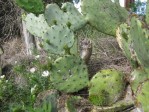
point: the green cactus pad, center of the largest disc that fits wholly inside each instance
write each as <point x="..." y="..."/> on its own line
<point x="120" y="106"/>
<point x="140" y="39"/>
<point x="57" y="39"/>
<point x="143" y="95"/>
<point x="138" y="76"/>
<point x="69" y="74"/>
<point x="68" y="15"/>
<point x="147" y="13"/>
<point x="106" y="87"/>
<point x="104" y="15"/>
<point x="36" y="25"/>
<point x="34" y="6"/>
<point x="47" y="101"/>
<point x="124" y="41"/>
<point x="71" y="103"/>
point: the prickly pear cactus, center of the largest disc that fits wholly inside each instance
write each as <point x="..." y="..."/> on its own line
<point x="67" y="15"/>
<point x="140" y="39"/>
<point x="104" y="15"/>
<point x="120" y="106"/>
<point x="125" y="43"/>
<point x="36" y="25"/>
<point x="147" y="12"/>
<point x="71" y="103"/>
<point x="69" y="74"/>
<point x="34" y="6"/>
<point x="143" y="95"/>
<point x="47" y="101"/>
<point x="106" y="87"/>
<point x="58" y="39"/>
<point x="138" y="76"/>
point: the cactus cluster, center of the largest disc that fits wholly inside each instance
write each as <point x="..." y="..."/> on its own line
<point x="56" y="39"/>
<point x="56" y="31"/>
<point x="134" y="42"/>
<point x="69" y="74"/>
<point x="140" y="40"/>
<point x="34" y="6"/>
<point x="106" y="87"/>
<point x="56" y="27"/>
<point x="104" y="15"/>
<point x="69" y="16"/>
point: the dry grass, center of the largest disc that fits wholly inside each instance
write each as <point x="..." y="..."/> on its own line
<point x="10" y="19"/>
<point x="13" y="50"/>
<point x="107" y="54"/>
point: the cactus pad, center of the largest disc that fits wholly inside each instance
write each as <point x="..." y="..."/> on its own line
<point x="34" y="6"/>
<point x="71" y="103"/>
<point x="104" y="15"/>
<point x="140" y="39"/>
<point x="36" y="25"/>
<point x="47" y="101"/>
<point x="147" y="13"/>
<point x="120" y="106"/>
<point x="68" y="15"/>
<point x="124" y="41"/>
<point x="69" y="74"/>
<point x="106" y="87"/>
<point x="143" y="95"/>
<point x="138" y="77"/>
<point x="57" y="39"/>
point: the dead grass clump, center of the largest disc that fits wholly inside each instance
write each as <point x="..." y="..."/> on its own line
<point x="13" y="50"/>
<point x="106" y="55"/>
<point x="10" y="19"/>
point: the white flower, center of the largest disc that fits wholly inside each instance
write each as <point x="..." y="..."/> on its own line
<point x="133" y="78"/>
<point x="36" y="57"/>
<point x="2" y="77"/>
<point x="49" y="57"/>
<point x="32" y="70"/>
<point x="45" y="73"/>
<point x="15" y="62"/>
<point x="33" y="89"/>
